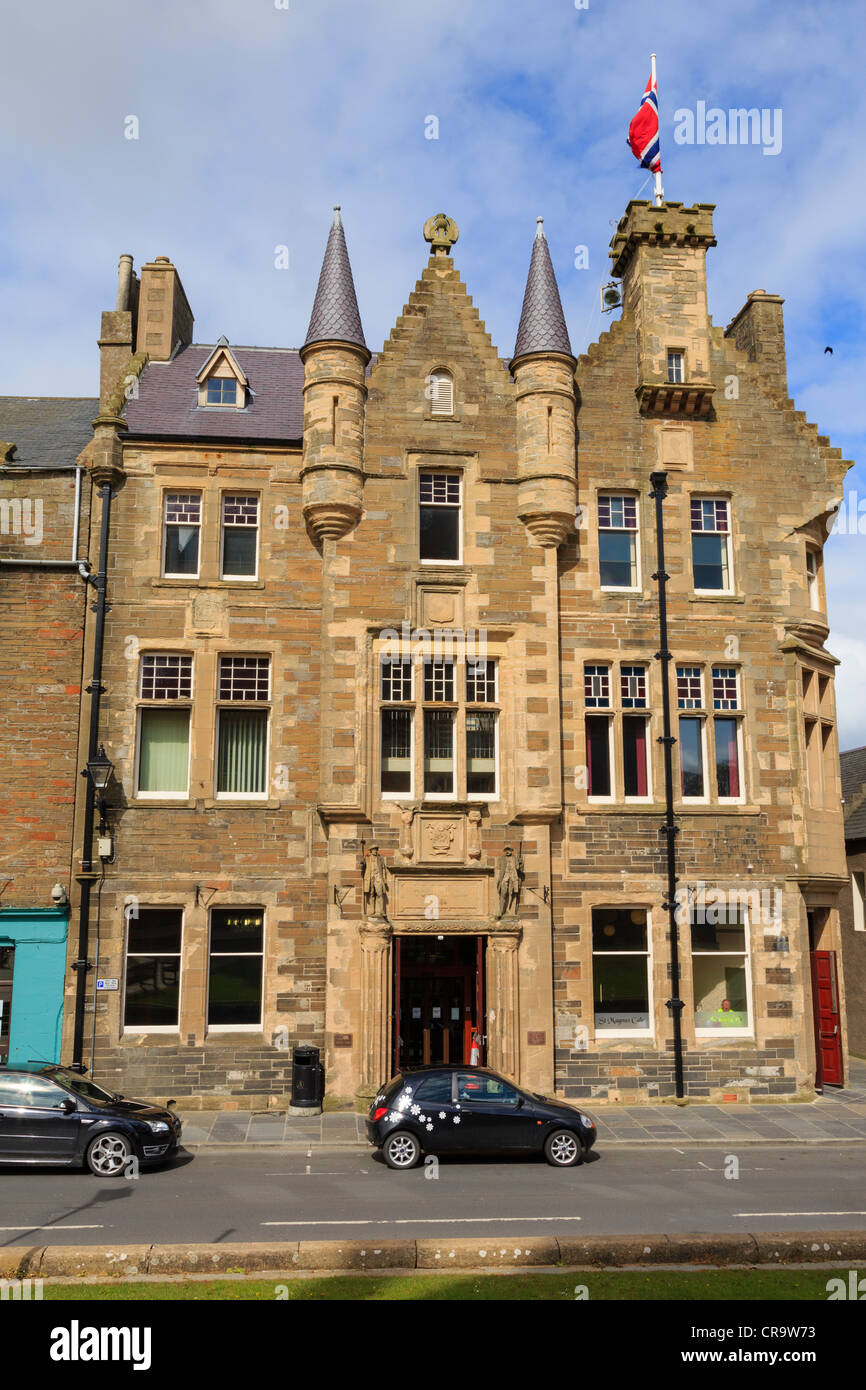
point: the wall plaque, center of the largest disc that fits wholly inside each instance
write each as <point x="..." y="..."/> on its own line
<point x="342" y="1039"/>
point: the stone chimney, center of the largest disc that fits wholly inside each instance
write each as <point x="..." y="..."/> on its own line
<point x="660" y="253"/>
<point x="117" y="333"/>
<point x="758" y="331"/>
<point x="164" y="316"/>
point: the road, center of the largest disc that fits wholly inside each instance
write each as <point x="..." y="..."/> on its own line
<point x="347" y="1194"/>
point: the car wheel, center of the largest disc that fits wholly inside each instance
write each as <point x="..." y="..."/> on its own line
<point x="108" y="1154"/>
<point x="401" y="1150"/>
<point x="563" y="1149"/>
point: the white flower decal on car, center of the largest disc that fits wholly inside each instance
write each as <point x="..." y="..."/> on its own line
<point x="429" y="1126"/>
<point x="456" y="1119"/>
<point x="442" y="1114"/>
<point x="415" y="1109"/>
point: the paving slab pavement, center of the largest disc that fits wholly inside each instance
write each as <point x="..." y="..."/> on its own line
<point x="839" y="1116"/>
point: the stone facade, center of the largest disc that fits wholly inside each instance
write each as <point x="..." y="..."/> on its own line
<point x="443" y="779"/>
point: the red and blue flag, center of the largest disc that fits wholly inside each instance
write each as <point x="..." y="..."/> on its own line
<point x="643" y="132"/>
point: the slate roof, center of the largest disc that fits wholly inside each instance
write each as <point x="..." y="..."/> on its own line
<point x="335" y="309"/>
<point x="854" y="793"/>
<point x="542" y="323"/>
<point x="49" y="431"/>
<point x="167" y="403"/>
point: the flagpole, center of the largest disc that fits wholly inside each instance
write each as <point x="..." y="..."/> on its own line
<point x="659" y="191"/>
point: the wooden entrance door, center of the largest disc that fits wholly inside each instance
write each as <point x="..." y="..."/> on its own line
<point x="828" y="1037"/>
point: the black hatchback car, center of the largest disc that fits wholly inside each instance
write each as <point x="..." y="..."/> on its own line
<point x="49" y="1114"/>
<point x="459" y="1109"/>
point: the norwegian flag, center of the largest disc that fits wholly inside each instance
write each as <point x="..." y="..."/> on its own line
<point x="643" y="133"/>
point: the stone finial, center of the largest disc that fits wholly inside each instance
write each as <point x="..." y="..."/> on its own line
<point x="441" y="231"/>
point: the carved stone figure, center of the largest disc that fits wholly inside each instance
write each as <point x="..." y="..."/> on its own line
<point x="509" y="880"/>
<point x="375" y="884"/>
<point x="407" y="815"/>
<point x="473" y="834"/>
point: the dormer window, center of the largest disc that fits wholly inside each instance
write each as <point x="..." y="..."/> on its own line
<point x="222" y="383"/>
<point x="440" y="388"/>
<point x="222" y="390"/>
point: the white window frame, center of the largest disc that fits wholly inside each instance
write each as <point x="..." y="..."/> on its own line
<point x="384" y="706"/>
<point x="478" y="708"/>
<point x="445" y="506"/>
<point x="454" y="794"/>
<point x="858" y="896"/>
<point x="181" y="492"/>
<point x="183" y="702"/>
<point x="609" y="530"/>
<point x="701" y="717"/>
<point x="643" y="714"/>
<point x="673" y="366"/>
<point x="229" y="707"/>
<point x="608" y="714"/>
<point x="265" y="706"/>
<point x="159" y="1027"/>
<point x="601" y="1035"/>
<point x="727" y="536"/>
<point x="239" y="578"/>
<point x="738" y="720"/>
<point x="213" y="1029"/>
<point x="813" y="583"/>
<point x="720" y="1033"/>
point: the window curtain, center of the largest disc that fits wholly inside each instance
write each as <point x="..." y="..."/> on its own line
<point x="242" y="746"/>
<point x="163" y="764"/>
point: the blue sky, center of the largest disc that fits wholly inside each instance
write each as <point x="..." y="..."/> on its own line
<point x="253" y="120"/>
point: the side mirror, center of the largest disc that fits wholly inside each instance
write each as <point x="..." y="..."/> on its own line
<point x="68" y="1106"/>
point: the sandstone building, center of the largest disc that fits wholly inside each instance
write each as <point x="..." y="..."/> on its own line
<point x="382" y="695"/>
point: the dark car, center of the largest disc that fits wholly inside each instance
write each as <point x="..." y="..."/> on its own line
<point x="459" y="1109"/>
<point x="49" y="1114"/>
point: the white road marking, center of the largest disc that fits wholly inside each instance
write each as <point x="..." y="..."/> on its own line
<point x="426" y="1221"/>
<point x="52" y="1228"/>
<point x="679" y="1151"/>
<point x="800" y="1213"/>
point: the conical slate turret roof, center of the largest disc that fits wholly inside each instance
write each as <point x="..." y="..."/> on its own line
<point x="335" y="309"/>
<point x="542" y="322"/>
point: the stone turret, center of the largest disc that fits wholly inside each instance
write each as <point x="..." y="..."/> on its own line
<point x="660" y="254"/>
<point x="543" y="370"/>
<point x="335" y="358"/>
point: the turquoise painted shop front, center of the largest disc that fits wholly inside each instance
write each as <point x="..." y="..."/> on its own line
<point x="38" y="936"/>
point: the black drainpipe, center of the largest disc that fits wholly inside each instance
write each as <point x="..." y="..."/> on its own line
<point x="94" y="690"/>
<point x="674" y="1004"/>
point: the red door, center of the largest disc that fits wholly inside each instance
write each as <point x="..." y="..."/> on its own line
<point x="825" y="1001"/>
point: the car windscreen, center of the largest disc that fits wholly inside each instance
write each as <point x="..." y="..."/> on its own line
<point x="88" y="1089"/>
